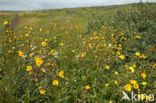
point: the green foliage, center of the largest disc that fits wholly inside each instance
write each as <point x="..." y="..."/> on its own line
<point x="94" y="47"/>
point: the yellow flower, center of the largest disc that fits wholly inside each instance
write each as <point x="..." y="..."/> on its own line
<point x="73" y="51"/>
<point x="10" y="51"/>
<point x="116" y="83"/>
<point x="25" y="27"/>
<point x="143" y="56"/>
<point x="82" y="54"/>
<point x="27" y="34"/>
<point x="137" y="54"/>
<point x="87" y="87"/>
<point x="132" y="69"/>
<point x="60" y="74"/>
<point x="134" y="66"/>
<point x="118" y="53"/>
<point x="43" y="70"/>
<point x="138" y="37"/>
<point x="122" y="57"/>
<point x="61" y="44"/>
<point x="110" y="101"/>
<point x="154" y="66"/>
<point x="107" y="67"/>
<point x="29" y="68"/>
<point x="42" y="92"/>
<point x="48" y="64"/>
<point x="141" y="96"/>
<point x="116" y="73"/>
<point x="39" y="87"/>
<point x="38" y="61"/>
<point x="30" y="28"/>
<point x="136" y="86"/>
<point x="46" y="39"/>
<point x="47" y="31"/>
<point x="128" y="87"/>
<point x="107" y="85"/>
<point x="143" y="75"/>
<point x="144" y="83"/>
<point x="44" y="44"/>
<point x="96" y="56"/>
<point x="20" y="53"/>
<point x="55" y="82"/>
<point x="148" y="97"/>
<point x="5" y="22"/>
<point x="133" y="81"/>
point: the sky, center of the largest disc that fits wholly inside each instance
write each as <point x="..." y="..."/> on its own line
<point x="56" y="4"/>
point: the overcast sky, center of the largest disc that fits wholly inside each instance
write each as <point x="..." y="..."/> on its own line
<point x="52" y="4"/>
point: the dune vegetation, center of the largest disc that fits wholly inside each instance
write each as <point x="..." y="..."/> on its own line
<point x="78" y="55"/>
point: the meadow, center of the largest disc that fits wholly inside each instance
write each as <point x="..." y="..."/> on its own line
<point x="78" y="55"/>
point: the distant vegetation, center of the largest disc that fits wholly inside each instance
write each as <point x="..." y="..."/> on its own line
<point x="78" y="55"/>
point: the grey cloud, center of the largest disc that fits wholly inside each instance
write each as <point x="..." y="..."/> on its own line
<point x="52" y="4"/>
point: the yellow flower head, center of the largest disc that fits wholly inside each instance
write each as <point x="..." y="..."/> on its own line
<point x="29" y="68"/>
<point x="122" y="57"/>
<point x="107" y="85"/>
<point x="30" y="28"/>
<point x="107" y="67"/>
<point x="39" y="87"/>
<point x="141" y="96"/>
<point x="118" y="53"/>
<point x="143" y="75"/>
<point x="132" y="69"/>
<point x="154" y="66"/>
<point x="116" y="73"/>
<point x="116" y="83"/>
<point x="136" y="86"/>
<point x="44" y="44"/>
<point x="61" y="74"/>
<point x="38" y="61"/>
<point x="55" y="82"/>
<point x="138" y="37"/>
<point x="128" y="87"/>
<point x="5" y="22"/>
<point x="143" y="56"/>
<point x="73" y="51"/>
<point x="87" y="87"/>
<point x="148" y="97"/>
<point x="27" y="34"/>
<point x="134" y="66"/>
<point x="137" y="54"/>
<point x="133" y="81"/>
<point x="61" y="44"/>
<point x="42" y="92"/>
<point x="43" y="70"/>
<point x="25" y="27"/>
<point x="20" y="53"/>
<point x="144" y="83"/>
<point x="82" y="54"/>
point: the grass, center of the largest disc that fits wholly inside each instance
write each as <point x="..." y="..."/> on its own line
<point x="78" y="55"/>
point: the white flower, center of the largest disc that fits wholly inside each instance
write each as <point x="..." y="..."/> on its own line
<point x="56" y="55"/>
<point x="24" y="56"/>
<point x="77" y="56"/>
<point x="34" y="47"/>
<point x="110" y="45"/>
